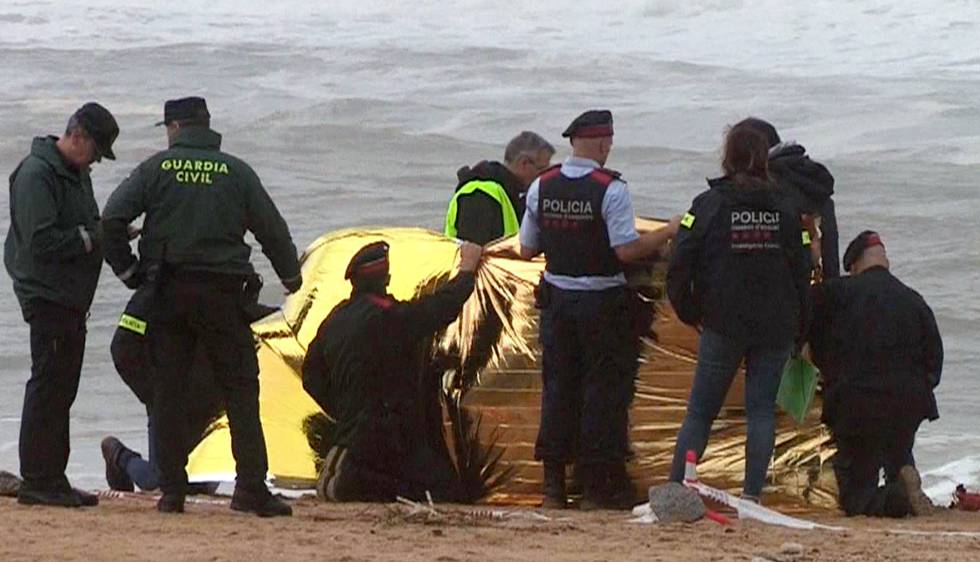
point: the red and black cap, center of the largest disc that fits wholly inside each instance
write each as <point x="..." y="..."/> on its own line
<point x="184" y="109"/>
<point x="591" y="124"/>
<point x="370" y="261"/>
<point x="856" y="248"/>
<point x="100" y="125"/>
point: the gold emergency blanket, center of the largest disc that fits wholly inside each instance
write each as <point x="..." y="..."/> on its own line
<point x="501" y="381"/>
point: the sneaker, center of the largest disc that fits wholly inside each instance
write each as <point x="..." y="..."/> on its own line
<point x="171" y="503"/>
<point x="115" y="476"/>
<point x="919" y="502"/>
<point x="260" y="502"/>
<point x="85" y="499"/>
<point x="751" y="498"/>
<point x="56" y="498"/>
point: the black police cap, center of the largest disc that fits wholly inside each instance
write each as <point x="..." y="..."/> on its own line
<point x="856" y="248"/>
<point x="100" y="125"/>
<point x="591" y="124"/>
<point x="184" y="109"/>
<point x="369" y="261"/>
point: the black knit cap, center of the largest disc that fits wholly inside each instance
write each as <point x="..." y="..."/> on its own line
<point x="591" y="124"/>
<point x="184" y="109"/>
<point x="369" y="261"/>
<point x="100" y="125"/>
<point x="856" y="248"/>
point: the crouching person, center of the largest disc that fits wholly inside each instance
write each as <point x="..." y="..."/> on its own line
<point x="362" y="368"/>
<point x="880" y="353"/>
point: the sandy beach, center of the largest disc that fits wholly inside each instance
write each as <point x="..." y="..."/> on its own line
<point x="129" y="528"/>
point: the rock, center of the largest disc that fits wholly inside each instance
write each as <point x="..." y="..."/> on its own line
<point x="760" y="559"/>
<point x="9" y="484"/>
<point x="791" y="549"/>
<point x="673" y="502"/>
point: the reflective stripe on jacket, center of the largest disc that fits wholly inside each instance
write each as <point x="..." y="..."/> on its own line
<point x="495" y="191"/>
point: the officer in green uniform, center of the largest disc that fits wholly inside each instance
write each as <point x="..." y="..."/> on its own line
<point x="198" y="202"/>
<point x="54" y="256"/>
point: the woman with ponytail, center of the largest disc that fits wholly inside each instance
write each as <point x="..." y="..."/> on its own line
<point x="739" y="274"/>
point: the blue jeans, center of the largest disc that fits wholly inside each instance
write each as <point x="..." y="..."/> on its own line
<point x="718" y="360"/>
<point x="142" y="472"/>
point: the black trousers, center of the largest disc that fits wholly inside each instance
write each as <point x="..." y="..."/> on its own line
<point x="863" y="451"/>
<point x="205" y="311"/>
<point x="347" y="476"/>
<point x="57" y="350"/>
<point x="589" y="364"/>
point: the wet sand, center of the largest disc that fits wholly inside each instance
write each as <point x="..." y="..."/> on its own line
<point x="131" y="529"/>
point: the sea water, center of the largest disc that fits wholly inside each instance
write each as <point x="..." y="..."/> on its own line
<point x="359" y="113"/>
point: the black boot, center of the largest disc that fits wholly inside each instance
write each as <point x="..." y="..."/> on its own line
<point x="594" y="487"/>
<point x="59" y="498"/>
<point x="171" y="502"/>
<point x="554" y="486"/>
<point x="259" y="501"/>
<point x="116" y="455"/>
<point x="621" y="494"/>
<point x="86" y="499"/>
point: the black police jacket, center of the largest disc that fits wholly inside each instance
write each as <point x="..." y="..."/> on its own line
<point x="878" y="348"/>
<point x="739" y="265"/>
<point x="364" y="367"/>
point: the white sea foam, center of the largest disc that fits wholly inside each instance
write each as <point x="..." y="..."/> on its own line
<point x="939" y="483"/>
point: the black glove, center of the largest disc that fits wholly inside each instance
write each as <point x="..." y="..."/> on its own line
<point x="293" y="285"/>
<point x="135" y="281"/>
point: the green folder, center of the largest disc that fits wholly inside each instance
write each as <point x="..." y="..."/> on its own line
<point x="797" y="387"/>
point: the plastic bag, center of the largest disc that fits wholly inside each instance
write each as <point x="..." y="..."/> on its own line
<point x="797" y="387"/>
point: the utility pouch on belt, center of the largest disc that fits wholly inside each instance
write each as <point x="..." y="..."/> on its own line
<point x="542" y="294"/>
<point x="155" y="277"/>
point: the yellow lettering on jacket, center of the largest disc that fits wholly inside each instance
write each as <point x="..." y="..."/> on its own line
<point x="198" y="172"/>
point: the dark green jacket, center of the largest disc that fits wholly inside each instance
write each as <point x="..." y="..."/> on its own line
<point x="198" y="203"/>
<point x="45" y="252"/>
